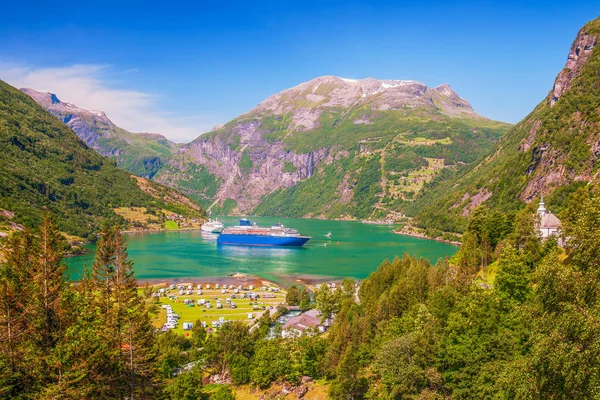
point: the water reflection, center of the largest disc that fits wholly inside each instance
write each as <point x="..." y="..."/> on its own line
<point x="257" y="252"/>
<point x="354" y="250"/>
<point x="209" y="236"/>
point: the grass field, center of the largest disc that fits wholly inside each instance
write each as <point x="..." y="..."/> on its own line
<point x="193" y="314"/>
<point x="414" y="181"/>
<point x="419" y="141"/>
<point x="136" y="214"/>
<point x="171" y="225"/>
<point x="140" y="215"/>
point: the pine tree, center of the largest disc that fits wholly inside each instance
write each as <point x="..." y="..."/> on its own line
<point x="103" y="271"/>
<point x="140" y="353"/>
<point x="107" y="367"/>
<point x="133" y="322"/>
<point x="50" y="314"/>
<point x="123" y="321"/>
<point x="14" y="323"/>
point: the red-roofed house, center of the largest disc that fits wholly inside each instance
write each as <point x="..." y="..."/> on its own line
<point x="309" y="321"/>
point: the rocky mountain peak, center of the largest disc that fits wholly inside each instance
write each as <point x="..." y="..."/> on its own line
<point x="445" y="89"/>
<point x="307" y="101"/>
<point x="42" y="97"/>
<point x="63" y="110"/>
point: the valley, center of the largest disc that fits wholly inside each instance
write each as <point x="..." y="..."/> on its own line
<point x="397" y="245"/>
<point x="367" y="149"/>
<point x="328" y="148"/>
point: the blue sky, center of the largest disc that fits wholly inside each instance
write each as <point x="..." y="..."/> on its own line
<point x="178" y="68"/>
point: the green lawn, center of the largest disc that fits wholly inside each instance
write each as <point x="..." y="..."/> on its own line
<point x="171" y="225"/>
<point x="192" y="314"/>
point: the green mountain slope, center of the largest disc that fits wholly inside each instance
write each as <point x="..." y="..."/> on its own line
<point x="44" y="165"/>
<point x="552" y="151"/>
<point x="142" y="154"/>
<point x="383" y="169"/>
<point x="333" y="147"/>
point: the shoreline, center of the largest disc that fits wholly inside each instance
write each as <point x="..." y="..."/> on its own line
<point x="129" y="232"/>
<point x="381" y="222"/>
<point x="229" y="280"/>
<point x="159" y="230"/>
<point x="244" y="279"/>
<point x="423" y="236"/>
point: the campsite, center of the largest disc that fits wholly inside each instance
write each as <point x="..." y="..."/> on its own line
<point x="213" y="303"/>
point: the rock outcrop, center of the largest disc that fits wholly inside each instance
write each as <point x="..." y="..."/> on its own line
<point x="580" y="51"/>
<point x="557" y="146"/>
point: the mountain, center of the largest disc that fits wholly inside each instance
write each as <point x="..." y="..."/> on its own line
<point x="142" y="154"/>
<point x="333" y="147"/>
<point x="551" y="152"/>
<point x="44" y="165"/>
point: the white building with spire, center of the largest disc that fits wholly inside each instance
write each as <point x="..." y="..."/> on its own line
<point x="548" y="223"/>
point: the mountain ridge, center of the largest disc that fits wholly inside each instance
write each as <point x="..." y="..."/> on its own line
<point x="142" y="154"/>
<point x="319" y="125"/>
<point x="44" y="165"/>
<point x="551" y="152"/>
<point x="328" y="129"/>
<point x="332" y="91"/>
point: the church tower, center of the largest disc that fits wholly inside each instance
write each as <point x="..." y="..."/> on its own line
<point x="542" y="208"/>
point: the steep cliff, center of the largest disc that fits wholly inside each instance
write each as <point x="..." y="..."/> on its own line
<point x="333" y="147"/>
<point x="554" y="150"/>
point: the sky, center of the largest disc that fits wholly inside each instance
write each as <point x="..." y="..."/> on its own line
<point x="180" y="68"/>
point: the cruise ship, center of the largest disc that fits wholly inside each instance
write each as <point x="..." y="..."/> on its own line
<point x="247" y="234"/>
<point x="212" y="226"/>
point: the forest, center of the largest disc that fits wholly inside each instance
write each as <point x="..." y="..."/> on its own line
<point x="509" y="316"/>
<point x="45" y="166"/>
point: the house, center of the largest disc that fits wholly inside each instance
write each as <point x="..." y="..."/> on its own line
<point x="304" y="323"/>
<point x="548" y="223"/>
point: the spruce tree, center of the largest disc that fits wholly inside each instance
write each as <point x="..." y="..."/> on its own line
<point x="50" y="313"/>
<point x="14" y="325"/>
<point x="107" y="369"/>
<point x="123" y="320"/>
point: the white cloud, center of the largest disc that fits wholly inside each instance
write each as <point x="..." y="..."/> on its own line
<point x="86" y="87"/>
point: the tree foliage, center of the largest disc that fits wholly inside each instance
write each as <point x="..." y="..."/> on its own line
<point x="45" y="166"/>
<point x="527" y="328"/>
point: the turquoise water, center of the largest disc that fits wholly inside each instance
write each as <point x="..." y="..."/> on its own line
<point x="354" y="250"/>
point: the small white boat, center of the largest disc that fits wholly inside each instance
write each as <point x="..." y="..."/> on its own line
<point x="328" y="235"/>
<point x="211" y="226"/>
